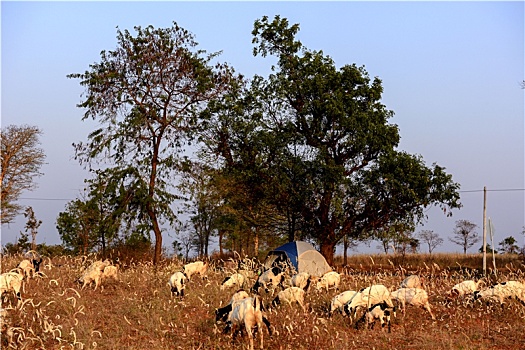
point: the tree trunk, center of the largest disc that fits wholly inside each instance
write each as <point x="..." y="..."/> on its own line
<point x="158" y="235"/>
<point x="221" y="233"/>
<point x="158" y="242"/>
<point x="345" y="250"/>
<point x="327" y="250"/>
<point x="33" y="241"/>
<point x="256" y="243"/>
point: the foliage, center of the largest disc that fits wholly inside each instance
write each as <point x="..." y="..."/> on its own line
<point x="22" y="159"/>
<point x="21" y="246"/>
<point x="465" y="234"/>
<point x="356" y="181"/>
<point x="75" y="226"/>
<point x="509" y="246"/>
<point x="488" y="249"/>
<point x="147" y="95"/>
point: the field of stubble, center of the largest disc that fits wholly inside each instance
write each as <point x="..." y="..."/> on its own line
<point x="138" y="312"/>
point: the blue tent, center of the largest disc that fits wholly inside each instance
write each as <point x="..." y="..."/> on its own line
<point x="301" y="255"/>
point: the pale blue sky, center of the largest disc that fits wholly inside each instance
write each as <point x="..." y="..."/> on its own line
<point x="451" y="72"/>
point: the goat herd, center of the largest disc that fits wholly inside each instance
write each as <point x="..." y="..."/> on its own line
<point x="246" y="310"/>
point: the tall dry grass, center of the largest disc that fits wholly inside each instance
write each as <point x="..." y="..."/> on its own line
<point x="138" y="311"/>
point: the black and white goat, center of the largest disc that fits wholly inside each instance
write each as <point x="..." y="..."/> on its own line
<point x="381" y="312"/>
<point x="30" y="267"/>
<point x="177" y="283"/>
<point x="502" y="291"/>
<point x="273" y="277"/>
<point x="222" y="313"/>
<point x="366" y="297"/>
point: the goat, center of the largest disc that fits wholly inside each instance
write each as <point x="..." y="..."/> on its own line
<point x="340" y="300"/>
<point x="301" y="280"/>
<point x="503" y="290"/>
<point x="412" y="296"/>
<point x="273" y="277"/>
<point x="236" y="279"/>
<point x="464" y="288"/>
<point x="30" y="267"/>
<point x="221" y="314"/>
<point x="381" y="312"/>
<point x="110" y="271"/>
<point x="290" y="295"/>
<point x="94" y="273"/>
<point x="247" y="313"/>
<point x="412" y="281"/>
<point x="372" y="295"/>
<point x="329" y="279"/>
<point x="197" y="267"/>
<point x="12" y="281"/>
<point x="177" y="283"/>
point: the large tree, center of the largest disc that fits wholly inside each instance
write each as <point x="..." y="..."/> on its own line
<point x="147" y="95"/>
<point x="358" y="182"/>
<point x="22" y="159"/>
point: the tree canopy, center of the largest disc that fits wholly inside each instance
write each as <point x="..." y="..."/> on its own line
<point x="465" y="234"/>
<point x="147" y="95"/>
<point x="22" y="159"/>
<point x="305" y="153"/>
<point x="321" y="134"/>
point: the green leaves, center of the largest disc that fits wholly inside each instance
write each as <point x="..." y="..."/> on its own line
<point x="147" y="94"/>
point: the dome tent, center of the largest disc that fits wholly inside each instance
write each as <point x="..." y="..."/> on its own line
<point x="302" y="256"/>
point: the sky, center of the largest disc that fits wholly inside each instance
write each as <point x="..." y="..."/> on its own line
<point x="451" y="72"/>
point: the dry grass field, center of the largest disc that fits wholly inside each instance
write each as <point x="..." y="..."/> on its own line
<point x="138" y="311"/>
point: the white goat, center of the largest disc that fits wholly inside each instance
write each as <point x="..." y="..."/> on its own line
<point x="412" y="296"/>
<point x="273" y="277"/>
<point x="236" y="279"/>
<point x="502" y="291"/>
<point x="290" y="295"/>
<point x="110" y="271"/>
<point x="247" y="313"/>
<point x="367" y="297"/>
<point x="94" y="273"/>
<point x="329" y="279"/>
<point x="412" y="281"/>
<point x="12" y="281"/>
<point x="339" y="301"/>
<point x="177" y="283"/>
<point x="197" y="267"/>
<point x="464" y="288"/>
<point x="301" y="280"/>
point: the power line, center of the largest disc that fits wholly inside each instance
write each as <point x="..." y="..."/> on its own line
<point x="498" y="190"/>
<point x="45" y="199"/>
<point x="464" y="191"/>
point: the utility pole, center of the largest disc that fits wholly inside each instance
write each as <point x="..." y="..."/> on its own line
<point x="485" y="231"/>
